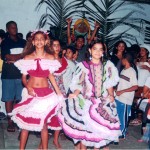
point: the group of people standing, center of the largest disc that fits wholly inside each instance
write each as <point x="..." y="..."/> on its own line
<point x="70" y="89"/>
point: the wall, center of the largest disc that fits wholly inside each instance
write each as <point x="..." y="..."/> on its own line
<point x="24" y="13"/>
<point x="21" y="11"/>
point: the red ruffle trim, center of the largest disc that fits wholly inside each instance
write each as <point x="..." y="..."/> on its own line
<point x="63" y="67"/>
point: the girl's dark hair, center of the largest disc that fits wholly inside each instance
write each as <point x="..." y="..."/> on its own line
<point x="130" y="58"/>
<point x="134" y="50"/>
<point x="115" y="50"/>
<point x="91" y="45"/>
<point x="72" y="48"/>
<point x="147" y="53"/>
<point x="29" y="48"/>
<point x="52" y="41"/>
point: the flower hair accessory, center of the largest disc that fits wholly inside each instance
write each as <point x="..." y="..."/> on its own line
<point x="39" y="30"/>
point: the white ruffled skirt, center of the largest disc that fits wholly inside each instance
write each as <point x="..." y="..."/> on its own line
<point x="33" y="112"/>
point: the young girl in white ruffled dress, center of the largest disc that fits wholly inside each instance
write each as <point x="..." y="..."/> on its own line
<point x="89" y="115"/>
<point x="39" y="102"/>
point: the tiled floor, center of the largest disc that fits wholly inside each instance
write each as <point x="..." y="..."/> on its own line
<point x="9" y="140"/>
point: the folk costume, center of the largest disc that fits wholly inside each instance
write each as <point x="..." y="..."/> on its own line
<point x="34" y="111"/>
<point x="91" y="118"/>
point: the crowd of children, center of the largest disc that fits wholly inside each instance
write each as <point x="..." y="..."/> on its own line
<point x="76" y="90"/>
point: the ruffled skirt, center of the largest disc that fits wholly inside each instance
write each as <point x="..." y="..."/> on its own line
<point x="33" y="112"/>
<point x="94" y="123"/>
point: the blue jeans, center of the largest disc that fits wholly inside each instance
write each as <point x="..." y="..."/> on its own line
<point x="123" y="111"/>
<point x="11" y="89"/>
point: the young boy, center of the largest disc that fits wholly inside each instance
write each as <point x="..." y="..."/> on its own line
<point x="71" y="53"/>
<point x="125" y="91"/>
<point x="11" y="49"/>
<point x="70" y="56"/>
<point x="79" y="44"/>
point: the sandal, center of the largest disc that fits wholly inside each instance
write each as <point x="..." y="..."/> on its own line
<point x="11" y="128"/>
<point x="135" y="122"/>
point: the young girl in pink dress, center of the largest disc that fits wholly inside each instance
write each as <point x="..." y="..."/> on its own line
<point x="56" y="47"/>
<point x="39" y="102"/>
<point x="89" y="116"/>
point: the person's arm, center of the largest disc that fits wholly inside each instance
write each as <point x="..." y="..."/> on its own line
<point x="13" y="57"/>
<point x="146" y="91"/>
<point x="69" y="20"/>
<point x="145" y="67"/>
<point x="53" y="82"/>
<point x="24" y="80"/>
<point x="131" y="89"/>
<point x="25" y="83"/>
<point x="97" y="25"/>
<point x="111" y="94"/>
<point x="75" y="94"/>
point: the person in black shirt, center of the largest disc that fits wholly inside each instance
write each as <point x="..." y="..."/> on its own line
<point x="11" y="49"/>
<point x="119" y="49"/>
<point x="80" y="44"/>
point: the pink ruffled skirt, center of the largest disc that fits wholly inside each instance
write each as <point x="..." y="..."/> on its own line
<point x="94" y="124"/>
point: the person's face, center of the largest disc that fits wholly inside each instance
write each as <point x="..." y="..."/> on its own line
<point x="143" y="52"/>
<point x="69" y="54"/>
<point x="56" y="47"/>
<point x="39" y="41"/>
<point x="80" y="43"/>
<point x="121" y="47"/>
<point x="96" y="51"/>
<point x="12" y="29"/>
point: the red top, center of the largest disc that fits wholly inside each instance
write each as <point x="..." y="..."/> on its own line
<point x="39" y="72"/>
<point x="63" y="67"/>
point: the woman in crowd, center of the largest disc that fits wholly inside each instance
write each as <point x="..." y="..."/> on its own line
<point x="118" y="51"/>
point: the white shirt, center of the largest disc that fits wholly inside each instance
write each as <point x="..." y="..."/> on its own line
<point x="143" y="74"/>
<point x="147" y="83"/>
<point x="67" y="76"/>
<point x="127" y="80"/>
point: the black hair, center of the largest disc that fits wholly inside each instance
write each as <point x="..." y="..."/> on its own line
<point x="115" y="50"/>
<point x="80" y="36"/>
<point x="129" y="57"/>
<point x="9" y="23"/>
<point x="147" y="52"/>
<point x="134" y="50"/>
<point x="2" y="34"/>
<point x="20" y="35"/>
<point x="28" y="35"/>
<point x="87" y="55"/>
<point x="72" y="48"/>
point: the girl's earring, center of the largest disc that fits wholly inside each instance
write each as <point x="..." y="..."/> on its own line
<point x="102" y="55"/>
<point x="90" y="57"/>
